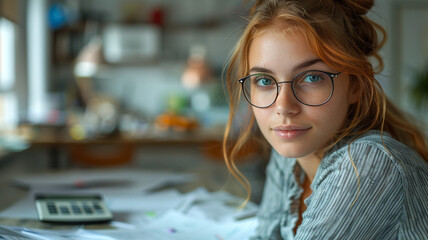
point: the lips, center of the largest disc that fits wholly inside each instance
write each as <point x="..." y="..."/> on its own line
<point x="290" y="132"/>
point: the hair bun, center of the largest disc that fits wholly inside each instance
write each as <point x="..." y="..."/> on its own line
<point x="358" y="7"/>
<point x="255" y="5"/>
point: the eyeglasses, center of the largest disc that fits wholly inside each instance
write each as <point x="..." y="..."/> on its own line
<point x="311" y="88"/>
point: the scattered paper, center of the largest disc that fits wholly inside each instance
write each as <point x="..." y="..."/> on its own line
<point x="139" y="213"/>
<point x="171" y="225"/>
<point x="116" y="179"/>
<point x="175" y="225"/>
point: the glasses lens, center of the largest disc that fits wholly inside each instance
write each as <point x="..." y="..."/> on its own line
<point x="260" y="90"/>
<point x="313" y="88"/>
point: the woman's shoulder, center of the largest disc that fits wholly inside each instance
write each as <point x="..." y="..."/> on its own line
<point x="385" y="174"/>
<point x="374" y="152"/>
<point x="377" y="146"/>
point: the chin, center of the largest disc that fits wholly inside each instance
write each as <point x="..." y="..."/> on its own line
<point x="291" y="152"/>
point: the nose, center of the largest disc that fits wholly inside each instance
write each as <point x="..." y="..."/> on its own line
<point x="286" y="103"/>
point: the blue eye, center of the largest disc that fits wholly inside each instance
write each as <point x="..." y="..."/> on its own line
<point x="312" y="78"/>
<point x="263" y="81"/>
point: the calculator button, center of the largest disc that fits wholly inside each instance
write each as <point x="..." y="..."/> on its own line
<point x="76" y="209"/>
<point x="98" y="208"/>
<point x="87" y="209"/>
<point x="64" y="210"/>
<point x="52" y="209"/>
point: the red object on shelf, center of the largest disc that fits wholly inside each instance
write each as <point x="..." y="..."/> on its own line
<point x="157" y="16"/>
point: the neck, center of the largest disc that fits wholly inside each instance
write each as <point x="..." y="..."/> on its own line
<point x="310" y="164"/>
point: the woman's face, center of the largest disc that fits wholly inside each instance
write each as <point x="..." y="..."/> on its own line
<point x="293" y="129"/>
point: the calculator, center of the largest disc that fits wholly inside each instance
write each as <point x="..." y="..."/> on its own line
<point x="72" y="208"/>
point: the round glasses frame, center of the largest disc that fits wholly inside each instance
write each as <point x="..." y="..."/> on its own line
<point x="331" y="75"/>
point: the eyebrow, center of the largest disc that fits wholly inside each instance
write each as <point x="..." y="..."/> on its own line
<point x="296" y="68"/>
<point x="307" y="64"/>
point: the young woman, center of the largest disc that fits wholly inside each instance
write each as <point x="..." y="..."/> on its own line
<point x="346" y="163"/>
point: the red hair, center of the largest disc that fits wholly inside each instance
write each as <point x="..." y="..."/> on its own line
<point x="340" y="34"/>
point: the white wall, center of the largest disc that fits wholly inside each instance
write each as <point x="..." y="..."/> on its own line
<point x="406" y="49"/>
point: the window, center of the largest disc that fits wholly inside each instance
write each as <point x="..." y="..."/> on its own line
<point x="8" y="100"/>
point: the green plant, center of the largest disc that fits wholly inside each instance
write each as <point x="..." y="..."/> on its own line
<point x="420" y="88"/>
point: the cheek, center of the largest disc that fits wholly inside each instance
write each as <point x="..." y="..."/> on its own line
<point x="336" y="109"/>
<point x="262" y="117"/>
<point x="259" y="115"/>
<point x="335" y="112"/>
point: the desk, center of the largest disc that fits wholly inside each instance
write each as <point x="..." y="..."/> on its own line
<point x="10" y="145"/>
<point x="55" y="138"/>
<point x="59" y="136"/>
<point x="6" y="156"/>
<point x="169" y="205"/>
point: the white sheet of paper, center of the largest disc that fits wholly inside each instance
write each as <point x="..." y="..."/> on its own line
<point x="199" y="215"/>
<point x="171" y="225"/>
<point x="177" y="226"/>
<point x="218" y="206"/>
<point x="120" y="180"/>
<point x="132" y="196"/>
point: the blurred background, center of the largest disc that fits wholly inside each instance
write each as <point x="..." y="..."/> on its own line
<point x="104" y="83"/>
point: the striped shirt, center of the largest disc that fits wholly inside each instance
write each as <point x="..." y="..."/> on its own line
<point x="392" y="201"/>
